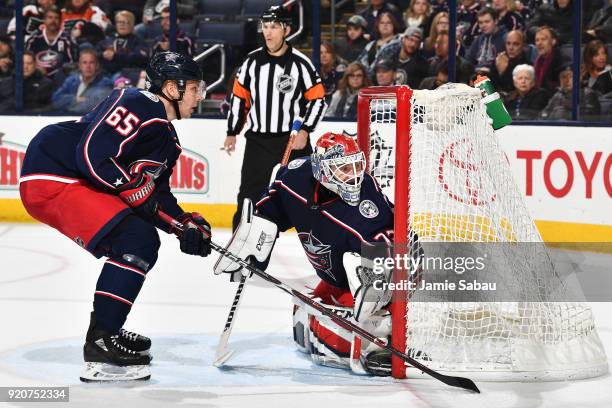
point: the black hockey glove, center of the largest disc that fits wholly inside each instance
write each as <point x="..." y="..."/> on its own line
<point x="195" y="239"/>
<point x="140" y="194"/>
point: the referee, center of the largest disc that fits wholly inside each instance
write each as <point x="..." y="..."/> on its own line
<point x="274" y="86"/>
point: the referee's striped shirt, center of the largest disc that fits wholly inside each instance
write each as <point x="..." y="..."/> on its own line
<point x="270" y="92"/>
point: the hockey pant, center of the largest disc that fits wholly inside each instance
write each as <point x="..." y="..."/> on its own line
<point x="329" y="344"/>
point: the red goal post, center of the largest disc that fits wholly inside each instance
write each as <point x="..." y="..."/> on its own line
<point x="402" y="95"/>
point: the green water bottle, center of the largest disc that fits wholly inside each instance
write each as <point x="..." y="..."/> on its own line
<point x="495" y="107"/>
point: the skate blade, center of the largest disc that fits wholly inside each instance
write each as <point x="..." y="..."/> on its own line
<point x="102" y="372"/>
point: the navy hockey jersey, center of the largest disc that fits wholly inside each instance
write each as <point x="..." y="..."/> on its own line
<point x="108" y="146"/>
<point x="327" y="226"/>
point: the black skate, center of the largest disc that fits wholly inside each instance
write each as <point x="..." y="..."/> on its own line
<point x="134" y="341"/>
<point x="378" y="362"/>
<point x="108" y="359"/>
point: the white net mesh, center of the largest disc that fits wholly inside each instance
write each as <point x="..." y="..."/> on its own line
<point x="462" y="190"/>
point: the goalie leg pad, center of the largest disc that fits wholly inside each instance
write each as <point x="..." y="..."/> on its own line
<point x="254" y="237"/>
<point x="330" y="344"/>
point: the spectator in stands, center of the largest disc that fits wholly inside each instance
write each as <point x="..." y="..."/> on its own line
<point x="558" y="15"/>
<point x="51" y="47"/>
<point x="549" y="60"/>
<point x="513" y="55"/>
<point x="385" y="72"/>
<point x="488" y="43"/>
<point x="386" y="44"/>
<point x="83" y="90"/>
<point x="527" y="100"/>
<point x="84" y="22"/>
<point x="37" y="88"/>
<point x="596" y="62"/>
<point x="411" y="64"/>
<point x="527" y="8"/>
<point x="332" y="69"/>
<point x="6" y="57"/>
<point x="507" y="15"/>
<point x="600" y="25"/>
<point x="438" y="6"/>
<point x="560" y="105"/>
<point x="355" y="41"/>
<point x="417" y="14"/>
<point x="184" y="44"/>
<point x="122" y="83"/>
<point x="344" y="101"/>
<point x="463" y="68"/>
<point x="373" y="12"/>
<point x="467" y="21"/>
<point x="124" y="51"/>
<point x="440" y="77"/>
<point x="153" y="9"/>
<point x="32" y="17"/>
<point x="438" y="24"/>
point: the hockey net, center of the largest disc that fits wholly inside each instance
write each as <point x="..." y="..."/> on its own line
<point x="436" y="157"/>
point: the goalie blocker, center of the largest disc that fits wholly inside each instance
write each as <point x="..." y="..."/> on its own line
<point x="252" y="240"/>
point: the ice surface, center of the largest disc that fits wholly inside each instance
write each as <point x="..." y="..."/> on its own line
<point x="46" y="289"/>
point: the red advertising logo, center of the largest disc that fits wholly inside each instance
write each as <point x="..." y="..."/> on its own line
<point x="575" y="164"/>
<point x="190" y="174"/>
<point x="459" y="174"/>
<point x="11" y="160"/>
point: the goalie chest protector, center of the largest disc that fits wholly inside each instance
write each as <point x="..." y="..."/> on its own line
<point x="327" y="226"/>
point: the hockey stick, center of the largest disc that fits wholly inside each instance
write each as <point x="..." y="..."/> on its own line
<point x="460" y="382"/>
<point x="222" y="354"/>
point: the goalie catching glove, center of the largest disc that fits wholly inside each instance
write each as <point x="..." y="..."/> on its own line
<point x="254" y="238"/>
<point x="361" y="278"/>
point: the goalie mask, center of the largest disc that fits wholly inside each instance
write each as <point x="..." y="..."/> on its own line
<point x="339" y="164"/>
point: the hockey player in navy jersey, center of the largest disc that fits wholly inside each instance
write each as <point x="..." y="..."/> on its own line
<point x="100" y="181"/>
<point x="336" y="208"/>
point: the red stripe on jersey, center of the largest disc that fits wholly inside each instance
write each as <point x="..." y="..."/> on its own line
<point x="296" y="195"/>
<point x="133" y="135"/>
<point x="346" y="227"/>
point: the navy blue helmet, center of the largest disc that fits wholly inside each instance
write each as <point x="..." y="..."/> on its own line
<point x="168" y="66"/>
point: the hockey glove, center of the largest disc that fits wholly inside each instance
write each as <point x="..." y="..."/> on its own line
<point x="361" y="279"/>
<point x="141" y="196"/>
<point x="252" y="241"/>
<point x="195" y="239"/>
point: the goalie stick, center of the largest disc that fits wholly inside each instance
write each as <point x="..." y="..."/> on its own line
<point x="460" y="382"/>
<point x="223" y="353"/>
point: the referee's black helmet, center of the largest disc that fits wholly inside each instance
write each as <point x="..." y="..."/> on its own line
<point x="276" y="13"/>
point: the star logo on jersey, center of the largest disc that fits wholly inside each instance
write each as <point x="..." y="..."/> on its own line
<point x="118" y="182"/>
<point x="318" y="253"/>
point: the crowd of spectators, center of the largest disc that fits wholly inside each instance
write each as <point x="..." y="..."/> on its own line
<point x="524" y="46"/>
<point x="78" y="50"/>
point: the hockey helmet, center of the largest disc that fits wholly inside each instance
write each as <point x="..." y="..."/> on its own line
<point x="276" y="13"/>
<point x="339" y="164"/>
<point x="172" y="66"/>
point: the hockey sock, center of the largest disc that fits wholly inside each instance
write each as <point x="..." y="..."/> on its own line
<point x="116" y="291"/>
<point x="133" y="246"/>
